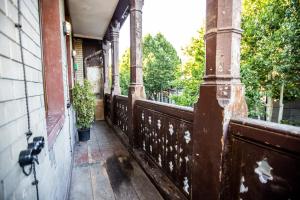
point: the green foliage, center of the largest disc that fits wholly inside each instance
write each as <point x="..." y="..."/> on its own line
<point x="160" y="61"/>
<point x="84" y="104"/>
<point x="270" y="51"/>
<point x="191" y="74"/>
<point x="125" y="72"/>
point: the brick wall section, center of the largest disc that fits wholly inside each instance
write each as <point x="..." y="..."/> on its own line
<point x="55" y="162"/>
<point x="79" y="60"/>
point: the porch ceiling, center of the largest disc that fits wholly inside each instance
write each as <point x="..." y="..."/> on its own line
<point x="90" y="18"/>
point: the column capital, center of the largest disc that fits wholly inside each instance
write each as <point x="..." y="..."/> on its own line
<point x="105" y="46"/>
<point x="115" y="27"/>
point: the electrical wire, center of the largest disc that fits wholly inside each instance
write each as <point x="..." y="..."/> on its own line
<point x="27" y="173"/>
<point x="19" y="26"/>
<point x="35" y="182"/>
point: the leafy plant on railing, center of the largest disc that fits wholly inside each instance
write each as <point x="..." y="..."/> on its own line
<point x="84" y="104"/>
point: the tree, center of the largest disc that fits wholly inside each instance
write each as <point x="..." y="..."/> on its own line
<point x="125" y="72"/>
<point x="160" y="61"/>
<point x="191" y="74"/>
<point x="270" y="56"/>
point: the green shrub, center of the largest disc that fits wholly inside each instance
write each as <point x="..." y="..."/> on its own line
<point x="84" y="104"/>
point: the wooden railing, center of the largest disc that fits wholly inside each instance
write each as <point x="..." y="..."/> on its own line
<point x="264" y="160"/>
<point x="165" y="134"/>
<point x="121" y="113"/>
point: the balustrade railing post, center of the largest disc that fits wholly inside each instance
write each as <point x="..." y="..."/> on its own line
<point x="221" y="97"/>
<point x="136" y="88"/>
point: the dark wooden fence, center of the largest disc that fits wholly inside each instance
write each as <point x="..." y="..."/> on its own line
<point x="121" y="113"/>
<point x="262" y="160"/>
<point x="165" y="134"/>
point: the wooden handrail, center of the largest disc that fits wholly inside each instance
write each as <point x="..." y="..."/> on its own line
<point x="182" y="112"/>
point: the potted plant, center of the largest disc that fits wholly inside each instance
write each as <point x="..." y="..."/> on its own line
<point x="84" y="105"/>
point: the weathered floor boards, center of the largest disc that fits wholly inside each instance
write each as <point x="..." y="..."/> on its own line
<point x="103" y="169"/>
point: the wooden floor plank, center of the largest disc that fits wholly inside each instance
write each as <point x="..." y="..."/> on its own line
<point x="142" y="185"/>
<point x="100" y="183"/>
<point x="81" y="187"/>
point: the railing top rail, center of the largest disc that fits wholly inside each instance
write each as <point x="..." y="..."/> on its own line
<point x="270" y="126"/>
<point x="121" y="97"/>
<point x="169" y="109"/>
<point x="268" y="133"/>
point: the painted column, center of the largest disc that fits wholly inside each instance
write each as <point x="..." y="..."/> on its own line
<point x="136" y="88"/>
<point x="115" y="86"/>
<point x="106" y="47"/>
<point x="221" y="98"/>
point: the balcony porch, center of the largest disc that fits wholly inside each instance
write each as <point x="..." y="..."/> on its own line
<point x="144" y="149"/>
<point x="211" y="151"/>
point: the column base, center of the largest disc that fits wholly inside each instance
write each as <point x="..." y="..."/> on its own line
<point x="217" y="104"/>
<point x="135" y="92"/>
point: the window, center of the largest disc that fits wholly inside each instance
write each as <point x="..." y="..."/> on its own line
<point x="52" y="65"/>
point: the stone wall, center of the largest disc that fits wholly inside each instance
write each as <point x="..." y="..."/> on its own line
<point x="55" y="161"/>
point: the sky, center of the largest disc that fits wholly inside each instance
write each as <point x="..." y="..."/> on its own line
<point x="177" y="20"/>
